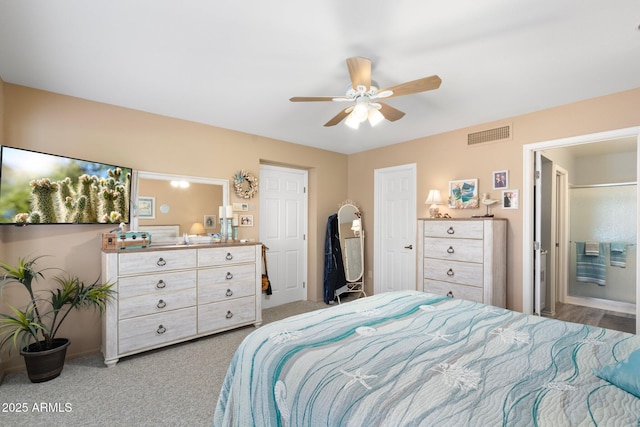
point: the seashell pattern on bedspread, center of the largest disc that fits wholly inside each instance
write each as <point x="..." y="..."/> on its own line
<point x="419" y="359"/>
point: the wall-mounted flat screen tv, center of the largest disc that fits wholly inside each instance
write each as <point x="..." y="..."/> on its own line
<point x="39" y="188"/>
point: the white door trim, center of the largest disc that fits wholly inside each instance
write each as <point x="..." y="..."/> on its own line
<point x="528" y="157"/>
<point x="560" y="254"/>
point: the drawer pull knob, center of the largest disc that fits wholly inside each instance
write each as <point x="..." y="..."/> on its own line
<point x="229" y="314"/>
<point x="450" y="230"/>
<point x="450" y="273"/>
<point x="161" y="304"/>
<point x="229" y="292"/>
<point x="229" y="257"/>
<point x="161" y="284"/>
<point x="161" y="330"/>
<point x="450" y="250"/>
<point x="161" y="262"/>
<point x="450" y="294"/>
<point x="229" y="276"/>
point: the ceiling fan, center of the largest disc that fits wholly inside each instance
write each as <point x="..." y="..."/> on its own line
<point x="364" y="93"/>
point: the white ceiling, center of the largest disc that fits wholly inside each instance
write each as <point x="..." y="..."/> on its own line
<point x="235" y="64"/>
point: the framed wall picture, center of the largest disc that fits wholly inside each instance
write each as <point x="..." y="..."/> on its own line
<point x="463" y="194"/>
<point x="510" y="199"/>
<point x="209" y="221"/>
<point x="246" y="221"/>
<point x="500" y="180"/>
<point x="240" y="207"/>
<point x="146" y="207"/>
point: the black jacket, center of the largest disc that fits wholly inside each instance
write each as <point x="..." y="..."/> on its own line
<point x="334" y="277"/>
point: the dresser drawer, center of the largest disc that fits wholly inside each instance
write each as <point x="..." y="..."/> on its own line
<point x="228" y="255"/>
<point x="156" y="303"/>
<point x="226" y="314"/>
<point x="155" y="330"/>
<point x="454" y="229"/>
<point x="452" y="289"/>
<point x="155" y="284"/>
<point x="454" y="249"/>
<point x="453" y="272"/>
<point x="156" y="261"/>
<point x="221" y="283"/>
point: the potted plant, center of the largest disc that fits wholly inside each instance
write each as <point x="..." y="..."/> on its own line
<point x="33" y="328"/>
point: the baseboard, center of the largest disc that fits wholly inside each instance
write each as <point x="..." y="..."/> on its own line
<point x="603" y="304"/>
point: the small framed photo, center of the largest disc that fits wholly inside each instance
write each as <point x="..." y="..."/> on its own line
<point x="510" y="199"/>
<point x="146" y="207"/>
<point x="246" y="221"/>
<point x="500" y="180"/>
<point x="463" y="194"/>
<point x="209" y="221"/>
<point x="240" y="207"/>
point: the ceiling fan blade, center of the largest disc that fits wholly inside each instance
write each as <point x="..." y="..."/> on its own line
<point x="360" y="72"/>
<point x="390" y="113"/>
<point x="313" y="98"/>
<point x="416" y="86"/>
<point x="338" y="117"/>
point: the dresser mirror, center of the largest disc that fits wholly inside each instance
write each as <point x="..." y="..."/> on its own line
<point x="351" y="234"/>
<point x="176" y="202"/>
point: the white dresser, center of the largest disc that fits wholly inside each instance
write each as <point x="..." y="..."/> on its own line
<point x="464" y="258"/>
<point x="168" y="295"/>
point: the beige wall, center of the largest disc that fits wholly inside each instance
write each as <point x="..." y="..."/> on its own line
<point x="63" y="125"/>
<point x="446" y="157"/>
<point x="69" y="126"/>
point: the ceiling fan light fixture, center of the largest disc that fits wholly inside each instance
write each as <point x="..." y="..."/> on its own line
<point x="374" y="116"/>
<point x="361" y="110"/>
<point x="352" y="121"/>
<point x="363" y="92"/>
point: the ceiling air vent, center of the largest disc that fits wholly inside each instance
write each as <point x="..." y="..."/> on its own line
<point x="489" y="135"/>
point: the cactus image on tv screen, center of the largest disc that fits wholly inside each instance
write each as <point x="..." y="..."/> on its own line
<point x="39" y="188"/>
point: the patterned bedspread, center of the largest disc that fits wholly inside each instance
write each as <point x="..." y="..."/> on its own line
<point x="419" y="359"/>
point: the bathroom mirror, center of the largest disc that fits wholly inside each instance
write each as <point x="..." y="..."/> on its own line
<point x="351" y="234"/>
<point x="177" y="202"/>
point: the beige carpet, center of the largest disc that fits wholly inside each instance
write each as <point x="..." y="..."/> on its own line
<point x="174" y="386"/>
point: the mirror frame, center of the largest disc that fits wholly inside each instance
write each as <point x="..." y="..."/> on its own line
<point x="360" y="237"/>
<point x="136" y="175"/>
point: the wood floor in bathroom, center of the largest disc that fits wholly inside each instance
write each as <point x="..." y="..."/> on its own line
<point x="596" y="317"/>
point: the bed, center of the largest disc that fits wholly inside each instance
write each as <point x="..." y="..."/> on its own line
<point x="414" y="358"/>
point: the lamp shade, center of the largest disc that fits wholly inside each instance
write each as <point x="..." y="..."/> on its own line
<point x="375" y="116"/>
<point x="196" y="228"/>
<point x="361" y="110"/>
<point x="434" y="197"/>
<point x="352" y="121"/>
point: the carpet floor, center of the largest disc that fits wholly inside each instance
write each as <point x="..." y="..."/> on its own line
<point x="173" y="386"/>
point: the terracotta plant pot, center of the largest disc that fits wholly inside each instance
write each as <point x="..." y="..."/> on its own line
<point x="45" y="365"/>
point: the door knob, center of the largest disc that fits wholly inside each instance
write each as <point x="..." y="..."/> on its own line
<point x="409" y="247"/>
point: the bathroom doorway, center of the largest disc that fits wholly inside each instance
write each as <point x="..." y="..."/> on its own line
<point x="609" y="158"/>
<point x="599" y="197"/>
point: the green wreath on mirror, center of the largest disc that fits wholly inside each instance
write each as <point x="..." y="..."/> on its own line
<point x="245" y="184"/>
